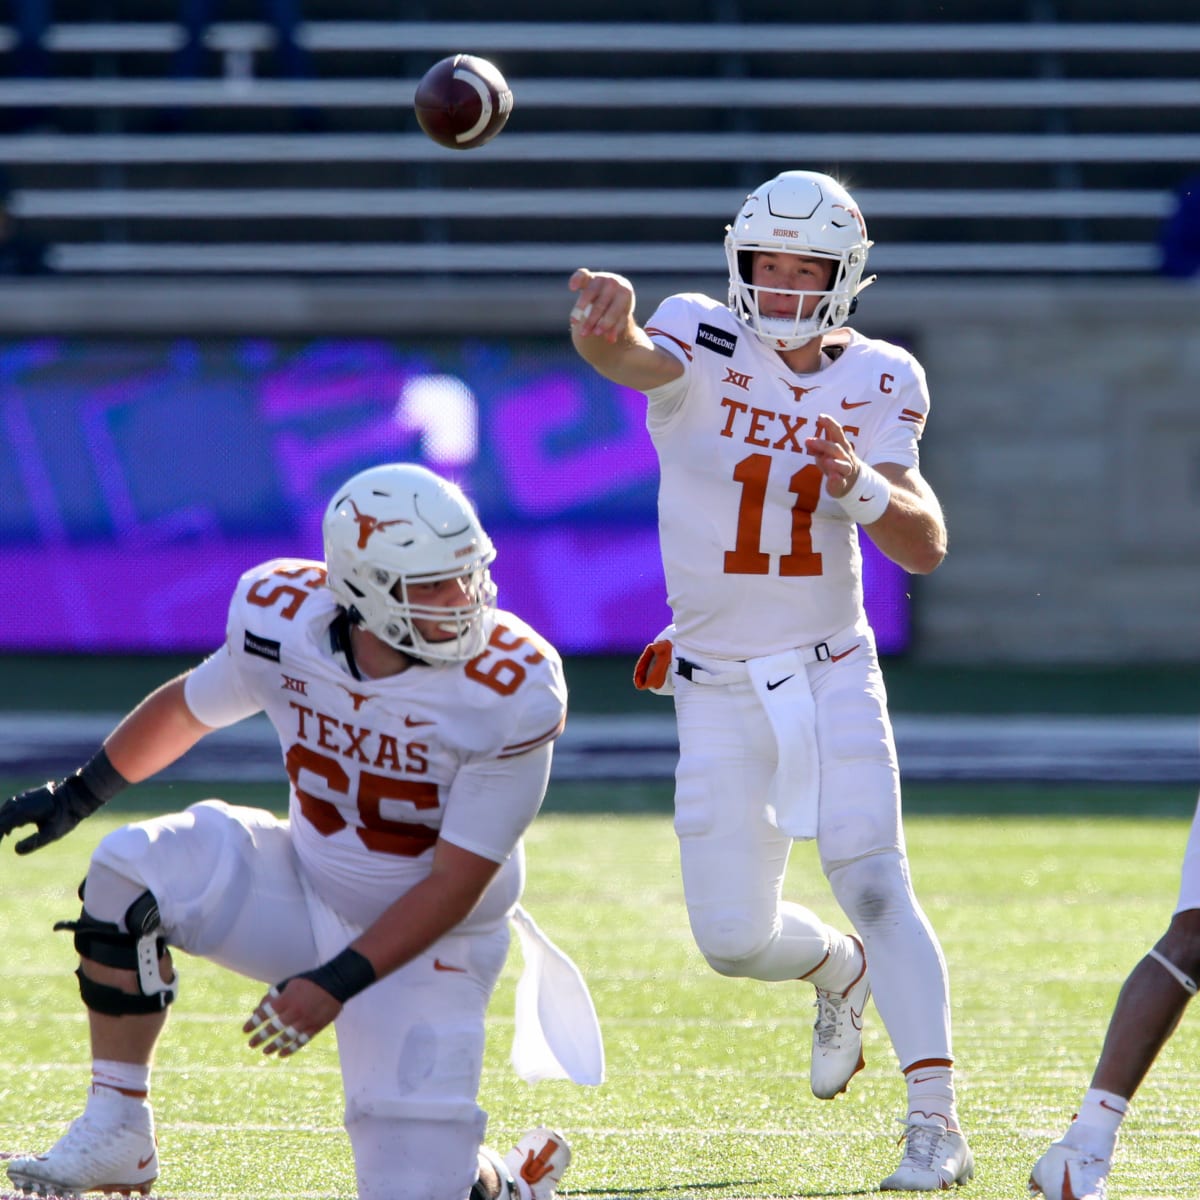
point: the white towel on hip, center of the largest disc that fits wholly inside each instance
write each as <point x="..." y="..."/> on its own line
<point x="781" y="683"/>
<point x="556" y="1031"/>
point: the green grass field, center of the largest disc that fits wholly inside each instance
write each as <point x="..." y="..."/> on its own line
<point x="1043" y="898"/>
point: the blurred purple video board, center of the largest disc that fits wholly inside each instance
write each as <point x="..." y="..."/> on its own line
<point x="142" y="477"/>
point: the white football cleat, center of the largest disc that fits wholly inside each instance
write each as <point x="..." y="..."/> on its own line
<point x="935" y="1159"/>
<point x="1069" y="1173"/>
<point x="837" y="1053"/>
<point x="537" y="1163"/>
<point x="94" y="1156"/>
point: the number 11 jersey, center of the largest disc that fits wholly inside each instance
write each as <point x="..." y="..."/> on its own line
<point x="758" y="557"/>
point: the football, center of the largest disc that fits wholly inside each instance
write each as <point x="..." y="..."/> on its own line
<point x="462" y="102"/>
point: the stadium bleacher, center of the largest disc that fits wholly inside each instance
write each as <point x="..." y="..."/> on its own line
<point x="980" y="138"/>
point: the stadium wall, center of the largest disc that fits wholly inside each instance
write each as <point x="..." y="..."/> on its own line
<point x="1064" y="440"/>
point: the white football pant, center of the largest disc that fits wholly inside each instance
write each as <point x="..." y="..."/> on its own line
<point x="411" y="1046"/>
<point x="733" y="858"/>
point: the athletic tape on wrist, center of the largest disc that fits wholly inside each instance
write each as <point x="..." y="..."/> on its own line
<point x="101" y="778"/>
<point x="343" y="976"/>
<point x="868" y="499"/>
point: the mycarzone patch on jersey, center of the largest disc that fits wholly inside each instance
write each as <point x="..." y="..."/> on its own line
<point x="716" y="339"/>
<point x="263" y="647"/>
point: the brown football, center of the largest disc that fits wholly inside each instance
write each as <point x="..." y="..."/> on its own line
<point x="462" y="102"/>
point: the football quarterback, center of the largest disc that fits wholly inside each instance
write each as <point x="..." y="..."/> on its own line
<point x="782" y="434"/>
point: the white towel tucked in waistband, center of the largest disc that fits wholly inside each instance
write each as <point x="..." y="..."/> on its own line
<point x="781" y="683"/>
<point x="557" y="1032"/>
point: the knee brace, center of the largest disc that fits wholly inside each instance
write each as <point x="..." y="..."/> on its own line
<point x="136" y="948"/>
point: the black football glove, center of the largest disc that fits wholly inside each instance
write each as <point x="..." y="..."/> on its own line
<point x="55" y="808"/>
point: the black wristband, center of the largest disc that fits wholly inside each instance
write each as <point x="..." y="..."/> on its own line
<point x="343" y="976"/>
<point x="101" y="779"/>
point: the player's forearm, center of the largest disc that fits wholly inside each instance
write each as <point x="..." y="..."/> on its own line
<point x="911" y="533"/>
<point x="633" y="360"/>
<point x="427" y="912"/>
<point x="156" y="733"/>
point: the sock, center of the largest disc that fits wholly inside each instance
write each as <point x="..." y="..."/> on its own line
<point x="1095" y="1128"/>
<point x="844" y="963"/>
<point x="126" y="1079"/>
<point x="930" y="1085"/>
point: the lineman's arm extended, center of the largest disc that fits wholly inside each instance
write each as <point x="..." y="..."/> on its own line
<point x="156" y="733"/>
<point x="606" y="335"/>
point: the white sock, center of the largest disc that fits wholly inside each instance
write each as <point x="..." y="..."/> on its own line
<point x="1095" y="1128"/>
<point x="931" y="1093"/>
<point x="843" y="964"/>
<point x="125" y="1079"/>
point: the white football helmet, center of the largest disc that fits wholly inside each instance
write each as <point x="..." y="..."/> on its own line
<point x="798" y="212"/>
<point x="399" y="524"/>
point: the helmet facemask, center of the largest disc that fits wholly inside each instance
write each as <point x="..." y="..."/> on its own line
<point x="397" y="526"/>
<point x="809" y="215"/>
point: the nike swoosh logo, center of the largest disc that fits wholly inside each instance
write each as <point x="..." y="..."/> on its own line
<point x="779" y="682"/>
<point x="856" y="1018"/>
<point x="413" y="723"/>
<point x="1118" y="1111"/>
<point x="923" y="1079"/>
<point x="856" y="404"/>
<point x="143" y="1163"/>
<point x="438" y="965"/>
<point x="839" y="657"/>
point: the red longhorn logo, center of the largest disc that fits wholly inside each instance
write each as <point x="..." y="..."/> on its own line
<point x="368" y="524"/>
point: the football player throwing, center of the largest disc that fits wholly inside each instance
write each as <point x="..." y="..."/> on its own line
<point x="780" y="433"/>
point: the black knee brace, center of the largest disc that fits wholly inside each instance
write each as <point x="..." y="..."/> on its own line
<point x="137" y="949"/>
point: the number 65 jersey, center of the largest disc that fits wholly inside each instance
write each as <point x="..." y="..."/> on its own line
<point x="758" y="557"/>
<point x="381" y="768"/>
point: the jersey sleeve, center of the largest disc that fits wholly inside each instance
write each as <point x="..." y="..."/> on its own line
<point x="216" y="692"/>
<point x="493" y="802"/>
<point x="672" y="327"/>
<point x="497" y="791"/>
<point x="226" y="687"/>
<point x="903" y="424"/>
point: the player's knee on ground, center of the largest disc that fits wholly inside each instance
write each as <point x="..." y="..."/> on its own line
<point x="416" y="1159"/>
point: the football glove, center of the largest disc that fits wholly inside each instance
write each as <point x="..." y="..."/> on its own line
<point x="56" y="808"/>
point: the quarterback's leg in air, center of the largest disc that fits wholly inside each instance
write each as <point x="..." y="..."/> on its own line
<point x="733" y="861"/>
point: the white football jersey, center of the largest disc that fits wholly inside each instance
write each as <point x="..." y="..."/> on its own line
<point x="380" y="768"/>
<point x="758" y="557"/>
